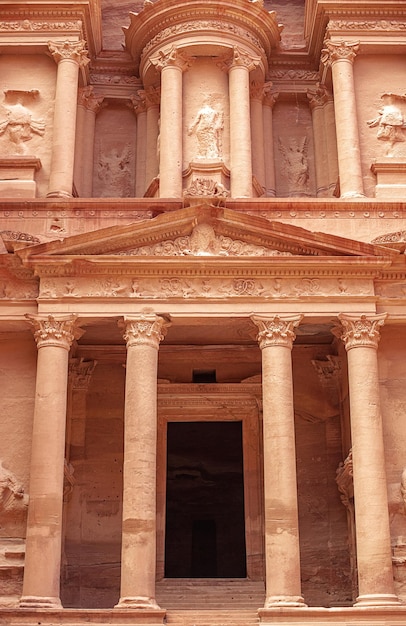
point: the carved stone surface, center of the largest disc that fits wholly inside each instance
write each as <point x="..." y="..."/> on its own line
<point x="276" y="330"/>
<point x="294" y="153"/>
<point x="361" y="331"/>
<point x="339" y="51"/>
<point x="390" y="120"/>
<point x="144" y="330"/>
<point x="54" y="331"/>
<point x="69" y="50"/>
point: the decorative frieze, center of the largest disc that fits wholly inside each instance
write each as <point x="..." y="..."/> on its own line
<point x="27" y="25"/>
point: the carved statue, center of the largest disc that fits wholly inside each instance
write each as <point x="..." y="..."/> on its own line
<point x="294" y="154"/>
<point x="207" y="127"/>
<point x="390" y="120"/>
<point x="13" y="501"/>
<point x="19" y="127"/>
<point x="114" y="171"/>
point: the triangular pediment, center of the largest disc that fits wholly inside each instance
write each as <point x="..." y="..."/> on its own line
<point x="202" y="231"/>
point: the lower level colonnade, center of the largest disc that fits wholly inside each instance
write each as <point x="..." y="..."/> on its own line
<point x="143" y="334"/>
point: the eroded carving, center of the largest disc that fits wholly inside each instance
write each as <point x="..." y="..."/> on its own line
<point x="115" y="172"/>
<point x="19" y="126"/>
<point x="207" y="127"/>
<point x="206" y="187"/>
<point x="294" y="153"/>
<point x="390" y="120"/>
<point x="13" y="500"/>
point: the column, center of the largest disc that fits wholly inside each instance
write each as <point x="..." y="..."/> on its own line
<point x="70" y="56"/>
<point x="317" y="99"/>
<point x="138" y="561"/>
<point x="171" y="64"/>
<point x="139" y="107"/>
<point x="360" y="335"/>
<point x="282" y="557"/>
<point x="257" y="133"/>
<point x="239" y="68"/>
<point x="331" y="142"/>
<point x="88" y="107"/>
<point x="267" y="106"/>
<point x="54" y="336"/>
<point x="341" y="55"/>
<point x="152" y="98"/>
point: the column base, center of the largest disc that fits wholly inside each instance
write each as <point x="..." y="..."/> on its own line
<point x="378" y="599"/>
<point x="284" y="601"/>
<point x="348" y="195"/>
<point x="59" y="194"/>
<point x="137" y="602"/>
<point x="40" y="602"/>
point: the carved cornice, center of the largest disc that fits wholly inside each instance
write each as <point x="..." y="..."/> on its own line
<point x="380" y="25"/>
<point x="69" y="50"/>
<point x="276" y="330"/>
<point x="360" y="331"/>
<point x="45" y="25"/>
<point x="144" y="330"/>
<point x="339" y="51"/>
<point x="294" y="74"/>
<point x="56" y="331"/>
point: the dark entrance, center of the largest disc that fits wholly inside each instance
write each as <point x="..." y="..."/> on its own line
<point x="205" y="529"/>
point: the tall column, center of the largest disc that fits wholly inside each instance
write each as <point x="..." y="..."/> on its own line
<point x="317" y="99"/>
<point x="54" y="336"/>
<point x="267" y="106"/>
<point x="239" y="68"/>
<point x="152" y="98"/>
<point x="257" y="133"/>
<point x="360" y="335"/>
<point x="282" y="556"/>
<point x="171" y="64"/>
<point x="88" y="107"/>
<point x="138" y="561"/>
<point x="341" y="55"/>
<point x="331" y="143"/>
<point x="140" y="110"/>
<point x="69" y="56"/>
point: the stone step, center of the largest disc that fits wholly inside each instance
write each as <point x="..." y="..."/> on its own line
<point x="207" y="594"/>
<point x="210" y="617"/>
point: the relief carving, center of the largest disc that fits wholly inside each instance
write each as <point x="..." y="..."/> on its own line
<point x="384" y="25"/>
<point x="29" y="25"/>
<point x="13" y="500"/>
<point x="207" y="127"/>
<point x="18" y="126"/>
<point x="115" y="172"/>
<point x="206" y="187"/>
<point x="390" y="121"/>
<point x="294" y="154"/>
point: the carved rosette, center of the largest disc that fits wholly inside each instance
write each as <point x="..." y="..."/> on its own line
<point x="58" y="332"/>
<point x="275" y="330"/>
<point x="238" y="58"/>
<point x="88" y="100"/>
<point x="172" y="58"/>
<point x="147" y="330"/>
<point x="339" y="51"/>
<point x="360" y="332"/>
<point x="69" y="51"/>
<point x="80" y="373"/>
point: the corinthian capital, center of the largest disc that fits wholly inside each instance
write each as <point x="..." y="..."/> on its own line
<point x="269" y="97"/>
<point x="144" y="330"/>
<point x="58" y="331"/>
<point x="360" y="331"/>
<point x="80" y="373"/>
<point x="276" y="330"/>
<point x="88" y="100"/>
<point x="339" y="51"/>
<point x="238" y="58"/>
<point x="172" y="58"/>
<point x="71" y="50"/>
<point x="319" y="96"/>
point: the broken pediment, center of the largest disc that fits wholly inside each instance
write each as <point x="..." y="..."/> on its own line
<point x="204" y="231"/>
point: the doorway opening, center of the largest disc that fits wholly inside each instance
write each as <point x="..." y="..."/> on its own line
<point x="205" y="523"/>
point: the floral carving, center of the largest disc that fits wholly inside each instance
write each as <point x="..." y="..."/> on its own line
<point x="29" y="25"/>
<point x="384" y="25"/>
<point x="144" y="330"/>
<point x="72" y="50"/>
<point x="360" y="331"/>
<point x="173" y="57"/>
<point x="275" y="330"/>
<point x="57" y="331"/>
<point x="88" y="100"/>
<point x="294" y="75"/>
<point x="339" y="51"/>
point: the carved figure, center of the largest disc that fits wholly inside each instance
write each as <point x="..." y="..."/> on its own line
<point x="390" y="120"/>
<point x="13" y="502"/>
<point x="114" y="171"/>
<point x="19" y="127"/>
<point x="207" y="127"/>
<point x="294" y="154"/>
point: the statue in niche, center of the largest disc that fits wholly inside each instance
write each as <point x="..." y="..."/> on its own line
<point x="19" y="127"/>
<point x="294" y="154"/>
<point x="207" y="128"/>
<point x="390" y="120"/>
<point x="115" y="173"/>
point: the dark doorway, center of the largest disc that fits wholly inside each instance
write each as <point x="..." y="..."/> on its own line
<point x="205" y="526"/>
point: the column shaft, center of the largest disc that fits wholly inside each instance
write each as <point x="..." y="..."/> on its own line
<point x="268" y="103"/>
<point x="139" y="105"/>
<point x="317" y="99"/>
<point x="152" y="99"/>
<point x="257" y="133"/>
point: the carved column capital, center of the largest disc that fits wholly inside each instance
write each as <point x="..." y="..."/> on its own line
<point x="269" y="96"/>
<point x="138" y="102"/>
<point x="152" y="96"/>
<point x="360" y="331"/>
<point x="276" y="330"/>
<point x="80" y="372"/>
<point x="256" y="90"/>
<point x="172" y="58"/>
<point x="69" y="50"/>
<point x="238" y="58"/>
<point x="58" y="331"/>
<point x="339" y="51"/>
<point x="144" y="330"/>
<point x="88" y="100"/>
<point x="318" y="97"/>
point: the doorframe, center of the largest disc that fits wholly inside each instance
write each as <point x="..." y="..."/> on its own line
<point x="222" y="403"/>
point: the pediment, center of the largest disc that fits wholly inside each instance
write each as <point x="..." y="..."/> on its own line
<point x="203" y="231"/>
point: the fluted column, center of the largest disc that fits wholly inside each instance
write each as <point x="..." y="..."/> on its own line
<point x="171" y="64"/>
<point x="341" y="55"/>
<point x="152" y="98"/>
<point x="360" y="335"/>
<point x="267" y="107"/>
<point x="88" y="107"/>
<point x="317" y="99"/>
<point x="257" y="132"/>
<point x="70" y="56"/>
<point x="138" y="561"/>
<point x="239" y="66"/>
<point x="54" y="336"/>
<point x="282" y="557"/>
<point x="139" y="107"/>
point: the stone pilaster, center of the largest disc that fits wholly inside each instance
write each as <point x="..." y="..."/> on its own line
<point x="268" y="102"/>
<point x="70" y="56"/>
<point x="54" y="336"/>
<point x="340" y="56"/>
<point x="171" y="64"/>
<point x="152" y="98"/>
<point x="257" y="132"/>
<point x="139" y="106"/>
<point x="239" y="66"/>
<point x="88" y="107"/>
<point x="282" y="556"/>
<point x="317" y="99"/>
<point x="80" y="374"/>
<point x="138" y="562"/>
<point x="360" y="335"/>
